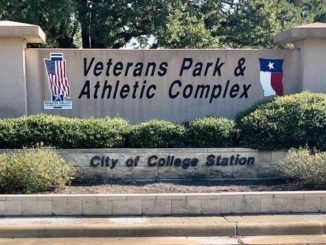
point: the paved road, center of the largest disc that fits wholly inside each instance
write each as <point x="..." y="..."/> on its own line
<point x="311" y="239"/>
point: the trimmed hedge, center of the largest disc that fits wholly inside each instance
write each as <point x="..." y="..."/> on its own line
<point x="284" y="122"/>
<point x="33" y="170"/>
<point x="209" y="132"/>
<point x="276" y="123"/>
<point x="61" y="132"/>
<point x="156" y="133"/>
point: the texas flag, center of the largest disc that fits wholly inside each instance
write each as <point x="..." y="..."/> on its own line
<point x="271" y="76"/>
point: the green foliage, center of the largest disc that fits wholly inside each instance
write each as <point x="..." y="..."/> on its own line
<point x="254" y="23"/>
<point x="173" y="24"/>
<point x="209" y="132"/>
<point x="31" y="171"/>
<point x="100" y="21"/>
<point x="254" y="107"/>
<point x="185" y="28"/>
<point x="156" y="133"/>
<point x="285" y="122"/>
<point x="114" y="23"/>
<point x="274" y="123"/>
<point x="61" y="132"/>
<point x="304" y="167"/>
<point x="54" y="17"/>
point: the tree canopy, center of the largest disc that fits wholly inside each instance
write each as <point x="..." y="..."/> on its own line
<point x="165" y="23"/>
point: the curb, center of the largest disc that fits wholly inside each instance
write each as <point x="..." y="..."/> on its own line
<point x="281" y="229"/>
<point x="160" y="230"/>
<point x="39" y="231"/>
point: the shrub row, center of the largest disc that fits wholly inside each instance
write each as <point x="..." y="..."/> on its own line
<point x="276" y="123"/>
<point x="60" y="132"/>
<point x="200" y="132"/>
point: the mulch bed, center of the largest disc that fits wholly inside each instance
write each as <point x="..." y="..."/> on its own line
<point x="146" y="188"/>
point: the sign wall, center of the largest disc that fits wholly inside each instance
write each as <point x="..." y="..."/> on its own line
<point x="139" y="85"/>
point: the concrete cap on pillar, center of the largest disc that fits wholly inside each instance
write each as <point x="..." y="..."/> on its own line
<point x="31" y="33"/>
<point x="310" y="31"/>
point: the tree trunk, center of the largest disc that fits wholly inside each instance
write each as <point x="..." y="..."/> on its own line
<point x="85" y="36"/>
<point x="85" y="20"/>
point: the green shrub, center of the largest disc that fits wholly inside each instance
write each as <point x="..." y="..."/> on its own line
<point x="102" y="133"/>
<point x="61" y="132"/>
<point x="301" y="166"/>
<point x="209" y="132"/>
<point x="35" y="170"/>
<point x="156" y="133"/>
<point x="255" y="106"/>
<point x="285" y="122"/>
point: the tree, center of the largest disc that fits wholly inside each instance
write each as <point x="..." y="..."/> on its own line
<point x="173" y="24"/>
<point x="254" y="23"/>
<point x="184" y="28"/>
<point x="100" y="21"/>
<point x="232" y="23"/>
<point x="112" y="23"/>
<point x="56" y="18"/>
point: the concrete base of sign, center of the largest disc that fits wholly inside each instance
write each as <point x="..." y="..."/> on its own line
<point x="163" y="204"/>
<point x="177" y="164"/>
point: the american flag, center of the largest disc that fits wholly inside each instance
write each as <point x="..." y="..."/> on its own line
<point x="56" y="70"/>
